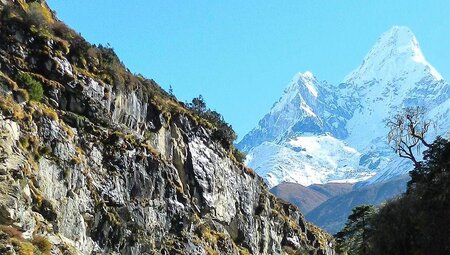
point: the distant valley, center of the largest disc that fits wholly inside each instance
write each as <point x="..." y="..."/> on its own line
<point x="318" y="134"/>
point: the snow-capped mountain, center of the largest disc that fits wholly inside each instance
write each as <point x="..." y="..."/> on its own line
<point x="318" y="133"/>
<point x="307" y="101"/>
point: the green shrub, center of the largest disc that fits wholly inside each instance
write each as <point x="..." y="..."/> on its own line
<point x="418" y="222"/>
<point x="24" y="142"/>
<point x="111" y="66"/>
<point x="223" y="132"/>
<point x="34" y="87"/>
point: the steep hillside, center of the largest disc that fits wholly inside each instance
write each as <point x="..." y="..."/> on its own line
<point x="96" y="160"/>
<point x="333" y="213"/>
<point x="302" y="197"/>
<point x="308" y="198"/>
<point x="332" y="189"/>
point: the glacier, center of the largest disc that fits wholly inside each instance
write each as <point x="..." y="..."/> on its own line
<point x="318" y="132"/>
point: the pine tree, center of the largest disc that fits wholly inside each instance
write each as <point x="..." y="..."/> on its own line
<point x="354" y="238"/>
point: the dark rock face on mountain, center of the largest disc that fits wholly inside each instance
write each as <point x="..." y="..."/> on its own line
<point x="332" y="214"/>
<point x="319" y="133"/>
<point x="94" y="160"/>
<point x="308" y="198"/>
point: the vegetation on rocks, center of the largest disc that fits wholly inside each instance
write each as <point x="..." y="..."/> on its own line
<point x="354" y="238"/>
<point x="415" y="223"/>
<point x="96" y="159"/>
<point x="100" y="61"/>
<point x="222" y="131"/>
<point x="35" y="90"/>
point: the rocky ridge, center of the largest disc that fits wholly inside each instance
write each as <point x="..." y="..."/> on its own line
<point x="107" y="162"/>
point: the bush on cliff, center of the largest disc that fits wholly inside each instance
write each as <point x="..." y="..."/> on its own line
<point x="35" y="90"/>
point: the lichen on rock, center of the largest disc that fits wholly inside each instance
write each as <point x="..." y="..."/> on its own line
<point x="115" y="168"/>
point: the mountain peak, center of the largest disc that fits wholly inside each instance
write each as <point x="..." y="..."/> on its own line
<point x="306" y="75"/>
<point x="395" y="53"/>
<point x="303" y="85"/>
<point x="397" y="42"/>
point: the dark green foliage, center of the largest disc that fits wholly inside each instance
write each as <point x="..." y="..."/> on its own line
<point x="395" y="230"/>
<point x="198" y="105"/>
<point x="79" y="51"/>
<point x="419" y="221"/>
<point x="223" y="131"/>
<point x="431" y="179"/>
<point x="171" y="94"/>
<point x="239" y="156"/>
<point x="108" y="56"/>
<point x="354" y="238"/>
<point x="34" y="87"/>
<point x="109" y="67"/>
<point x="224" y="134"/>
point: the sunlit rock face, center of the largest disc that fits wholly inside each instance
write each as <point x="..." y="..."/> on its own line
<point x="99" y="167"/>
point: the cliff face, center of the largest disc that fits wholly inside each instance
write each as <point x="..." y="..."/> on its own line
<point x="107" y="163"/>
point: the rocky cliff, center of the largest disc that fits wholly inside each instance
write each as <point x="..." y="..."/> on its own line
<point x="95" y="160"/>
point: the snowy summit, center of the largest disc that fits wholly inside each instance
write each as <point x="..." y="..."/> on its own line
<point x="319" y="133"/>
<point x="395" y="54"/>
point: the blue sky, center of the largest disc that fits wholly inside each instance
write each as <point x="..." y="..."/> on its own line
<point x="240" y="55"/>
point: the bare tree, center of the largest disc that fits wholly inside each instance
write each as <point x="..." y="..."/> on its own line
<point x="407" y="130"/>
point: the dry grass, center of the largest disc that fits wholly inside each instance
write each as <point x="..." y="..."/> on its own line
<point x="249" y="171"/>
<point x="210" y="235"/>
<point x="36" y="194"/>
<point x="68" y="130"/>
<point x="10" y="108"/>
<point x="12" y="85"/>
<point x="77" y="158"/>
<point x="42" y="244"/>
<point x="23" y="93"/>
<point x="45" y="110"/>
<point x="25" y="248"/>
<point x="12" y="232"/>
<point x="151" y="149"/>
<point x="210" y="251"/>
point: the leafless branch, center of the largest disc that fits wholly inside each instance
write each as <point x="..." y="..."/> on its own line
<point x="407" y="130"/>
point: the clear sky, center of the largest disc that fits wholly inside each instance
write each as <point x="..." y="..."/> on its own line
<point x="240" y="55"/>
